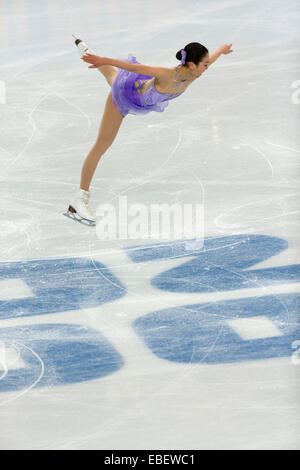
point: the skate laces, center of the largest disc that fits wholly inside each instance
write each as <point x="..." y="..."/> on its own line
<point x="85" y="197"/>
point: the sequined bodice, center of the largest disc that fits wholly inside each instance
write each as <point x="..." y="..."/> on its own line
<point x="152" y="94"/>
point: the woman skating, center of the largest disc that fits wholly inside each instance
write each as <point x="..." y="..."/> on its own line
<point x="135" y="89"/>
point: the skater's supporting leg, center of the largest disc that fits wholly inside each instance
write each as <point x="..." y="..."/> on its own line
<point x="90" y="164"/>
<point x="109" y="127"/>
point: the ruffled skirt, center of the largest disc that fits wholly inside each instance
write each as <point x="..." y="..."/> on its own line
<point x="126" y="97"/>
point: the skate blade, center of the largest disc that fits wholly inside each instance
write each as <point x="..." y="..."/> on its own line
<point x="74" y="216"/>
<point x="77" y="40"/>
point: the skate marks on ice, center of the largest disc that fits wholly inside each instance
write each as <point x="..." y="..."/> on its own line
<point x="279" y="210"/>
<point x="56" y="354"/>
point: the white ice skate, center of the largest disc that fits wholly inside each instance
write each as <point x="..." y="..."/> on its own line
<point x="79" y="209"/>
<point x="82" y="47"/>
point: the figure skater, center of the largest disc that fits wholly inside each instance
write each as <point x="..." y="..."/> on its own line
<point x="135" y="89"/>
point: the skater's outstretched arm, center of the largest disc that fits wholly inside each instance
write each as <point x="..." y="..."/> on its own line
<point x="225" y="49"/>
<point x="98" y="61"/>
<point x="158" y="72"/>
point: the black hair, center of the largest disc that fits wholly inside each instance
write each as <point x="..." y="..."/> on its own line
<point x="195" y="52"/>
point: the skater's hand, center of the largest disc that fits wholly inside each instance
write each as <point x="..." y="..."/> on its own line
<point x="96" y="60"/>
<point x="226" y="49"/>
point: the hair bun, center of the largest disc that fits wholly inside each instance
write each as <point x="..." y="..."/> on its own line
<point x="192" y="52"/>
<point x="178" y="55"/>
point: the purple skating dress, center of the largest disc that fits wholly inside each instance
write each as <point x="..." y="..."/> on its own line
<point x="126" y="97"/>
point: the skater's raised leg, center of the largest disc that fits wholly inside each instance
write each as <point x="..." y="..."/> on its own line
<point x="108" y="71"/>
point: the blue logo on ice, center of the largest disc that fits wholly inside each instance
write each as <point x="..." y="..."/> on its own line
<point x="218" y="332"/>
<point x="54" y="354"/>
<point x="222" y="264"/>
<point x="211" y="332"/>
<point x="227" y="331"/>
<point x="57" y="286"/>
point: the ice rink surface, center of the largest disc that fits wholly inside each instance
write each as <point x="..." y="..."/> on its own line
<point x="142" y="344"/>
